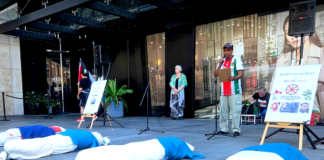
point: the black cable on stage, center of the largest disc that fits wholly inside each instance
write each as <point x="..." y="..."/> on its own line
<point x="198" y="125"/>
<point x="160" y="123"/>
<point x="192" y="126"/>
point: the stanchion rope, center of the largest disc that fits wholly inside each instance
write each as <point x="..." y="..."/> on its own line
<point x="14" y="97"/>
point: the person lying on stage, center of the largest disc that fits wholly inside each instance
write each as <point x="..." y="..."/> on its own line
<point x="64" y="142"/>
<point x="155" y="149"/>
<point x="271" y="151"/>
<point x="28" y="132"/>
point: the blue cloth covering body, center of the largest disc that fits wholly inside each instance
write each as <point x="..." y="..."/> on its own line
<point x="285" y="151"/>
<point x="36" y="131"/>
<point x="177" y="149"/>
<point x="83" y="139"/>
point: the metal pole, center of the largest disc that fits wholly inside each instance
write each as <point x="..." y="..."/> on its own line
<point x="4" y="107"/>
<point x="301" y="61"/>
<point x="48" y="103"/>
<point x="128" y="84"/>
<point x="102" y="66"/>
<point x="94" y="58"/>
<point x="49" y="109"/>
<point x="62" y="82"/>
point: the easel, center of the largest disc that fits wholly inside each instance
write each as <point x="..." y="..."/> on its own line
<point x="284" y="125"/>
<point x="92" y="115"/>
<point x="105" y="115"/>
<point x="301" y="127"/>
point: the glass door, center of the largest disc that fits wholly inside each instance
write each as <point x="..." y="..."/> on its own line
<point x="58" y="80"/>
<point x="156" y="57"/>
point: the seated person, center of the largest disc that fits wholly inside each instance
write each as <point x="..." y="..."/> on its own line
<point x="155" y="149"/>
<point x="28" y="132"/>
<point x="64" y="142"/>
<point x="262" y="98"/>
<point x="271" y="151"/>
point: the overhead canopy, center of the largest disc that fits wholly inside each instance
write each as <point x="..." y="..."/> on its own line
<point x="6" y="3"/>
<point x="70" y="17"/>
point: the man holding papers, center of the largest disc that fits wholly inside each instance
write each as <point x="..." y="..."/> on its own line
<point x="230" y="70"/>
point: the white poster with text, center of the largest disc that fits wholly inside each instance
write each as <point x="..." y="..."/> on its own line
<point x="94" y="99"/>
<point x="292" y="94"/>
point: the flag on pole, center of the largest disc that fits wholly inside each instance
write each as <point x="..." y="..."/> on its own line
<point x="83" y="69"/>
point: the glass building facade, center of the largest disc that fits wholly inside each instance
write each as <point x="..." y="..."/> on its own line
<point x="259" y="40"/>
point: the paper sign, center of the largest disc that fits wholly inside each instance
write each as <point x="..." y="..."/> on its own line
<point x="94" y="99"/>
<point x="224" y="74"/>
<point x="293" y="94"/>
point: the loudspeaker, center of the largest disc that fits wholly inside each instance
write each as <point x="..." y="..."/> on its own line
<point x="302" y="18"/>
<point x="101" y="60"/>
<point x="101" y="55"/>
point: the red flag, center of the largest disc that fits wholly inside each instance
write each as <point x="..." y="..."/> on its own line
<point x="83" y="69"/>
<point x="80" y="71"/>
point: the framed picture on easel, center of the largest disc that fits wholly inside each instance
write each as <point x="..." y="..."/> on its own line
<point x="292" y="100"/>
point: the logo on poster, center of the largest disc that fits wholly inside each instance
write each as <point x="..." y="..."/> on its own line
<point x="292" y="89"/>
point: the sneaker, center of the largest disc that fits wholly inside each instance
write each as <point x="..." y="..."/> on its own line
<point x="221" y="132"/>
<point x="95" y="117"/>
<point x="237" y="134"/>
<point x="80" y="119"/>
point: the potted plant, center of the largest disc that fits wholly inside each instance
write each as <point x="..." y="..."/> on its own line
<point x="33" y="99"/>
<point x="115" y="103"/>
<point x="52" y="104"/>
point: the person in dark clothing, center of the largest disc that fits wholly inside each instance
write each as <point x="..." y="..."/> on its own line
<point x="262" y="97"/>
<point x="83" y="93"/>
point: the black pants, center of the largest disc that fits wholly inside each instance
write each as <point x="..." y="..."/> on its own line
<point x="83" y="98"/>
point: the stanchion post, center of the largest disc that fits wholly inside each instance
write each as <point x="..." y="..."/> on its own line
<point x="4" y="107"/>
<point x="48" y="105"/>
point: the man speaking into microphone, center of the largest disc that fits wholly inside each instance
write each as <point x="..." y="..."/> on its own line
<point x="231" y="91"/>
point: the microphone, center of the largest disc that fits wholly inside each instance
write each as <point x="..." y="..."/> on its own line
<point x="154" y="69"/>
<point x="220" y="65"/>
<point x="222" y="61"/>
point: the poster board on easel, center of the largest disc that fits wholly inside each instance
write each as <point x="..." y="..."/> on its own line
<point x="94" y="100"/>
<point x="292" y="98"/>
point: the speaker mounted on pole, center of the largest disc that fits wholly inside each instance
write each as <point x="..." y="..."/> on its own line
<point x="101" y="60"/>
<point x="302" y="18"/>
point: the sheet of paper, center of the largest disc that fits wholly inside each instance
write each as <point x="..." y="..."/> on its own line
<point x="224" y="74"/>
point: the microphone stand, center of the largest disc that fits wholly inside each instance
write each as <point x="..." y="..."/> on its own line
<point x="147" y="107"/>
<point x="215" y="132"/>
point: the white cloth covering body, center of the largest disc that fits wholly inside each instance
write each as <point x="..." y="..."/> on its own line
<point x="14" y="133"/>
<point x="8" y="135"/>
<point x="145" y="150"/>
<point x="254" y="155"/>
<point x="38" y="147"/>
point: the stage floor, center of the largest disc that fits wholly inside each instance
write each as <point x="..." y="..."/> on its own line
<point x="191" y="130"/>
